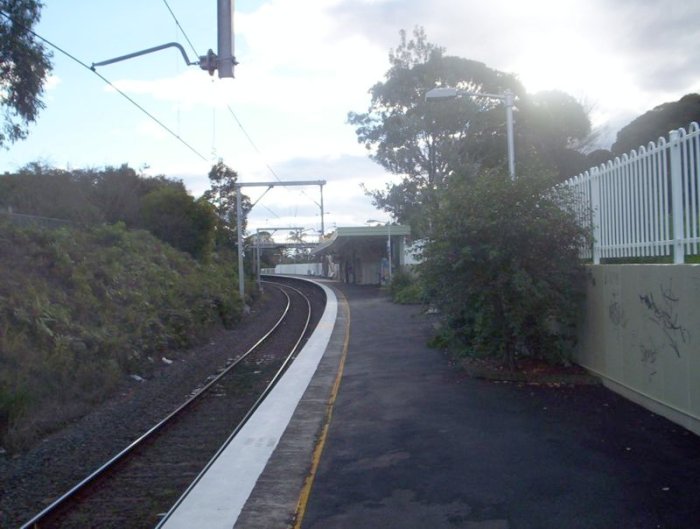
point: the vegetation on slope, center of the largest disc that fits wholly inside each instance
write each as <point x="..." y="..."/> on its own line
<point x="82" y="307"/>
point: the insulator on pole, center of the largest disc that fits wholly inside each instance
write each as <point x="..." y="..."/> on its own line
<point x="208" y="62"/>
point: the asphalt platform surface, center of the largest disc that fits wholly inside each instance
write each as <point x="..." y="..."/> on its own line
<point x="414" y="443"/>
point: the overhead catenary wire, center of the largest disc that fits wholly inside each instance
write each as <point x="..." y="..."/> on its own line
<point x="136" y="104"/>
<point x="184" y="34"/>
<point x="107" y="81"/>
<point x="120" y="92"/>
<point x="268" y="209"/>
<point x="252" y="143"/>
<point x="233" y="114"/>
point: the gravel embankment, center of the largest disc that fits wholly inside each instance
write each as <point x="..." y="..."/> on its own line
<point x="29" y="481"/>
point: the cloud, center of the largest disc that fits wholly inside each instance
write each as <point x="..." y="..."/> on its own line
<point x="344" y="198"/>
<point x="656" y="40"/>
<point x="296" y="82"/>
<point x="304" y="65"/>
<point x="624" y="55"/>
<point x="150" y="129"/>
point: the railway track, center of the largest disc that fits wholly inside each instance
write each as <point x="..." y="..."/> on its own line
<point x="135" y="487"/>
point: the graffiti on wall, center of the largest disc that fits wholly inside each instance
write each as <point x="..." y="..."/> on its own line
<point x="616" y="312"/>
<point x="663" y="312"/>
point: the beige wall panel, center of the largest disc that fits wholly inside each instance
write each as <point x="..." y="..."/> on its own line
<point x="641" y="333"/>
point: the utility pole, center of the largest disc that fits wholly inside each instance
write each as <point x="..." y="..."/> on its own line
<point x="226" y="60"/>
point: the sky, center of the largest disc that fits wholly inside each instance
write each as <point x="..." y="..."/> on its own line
<point x="304" y="64"/>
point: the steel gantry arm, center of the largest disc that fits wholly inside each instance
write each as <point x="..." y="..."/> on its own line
<point x="239" y="215"/>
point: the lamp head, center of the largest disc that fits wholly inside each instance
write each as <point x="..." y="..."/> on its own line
<point x="442" y="92"/>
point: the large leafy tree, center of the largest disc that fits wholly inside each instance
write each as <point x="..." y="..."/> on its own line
<point x="650" y="126"/>
<point x="118" y="192"/>
<point x="422" y="140"/>
<point x="38" y="189"/>
<point x="426" y="142"/>
<point x="24" y="66"/>
<point x="657" y="122"/>
<point x="553" y="126"/>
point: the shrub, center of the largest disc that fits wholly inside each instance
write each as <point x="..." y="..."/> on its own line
<point x="175" y="217"/>
<point x="405" y="289"/>
<point x="503" y="267"/>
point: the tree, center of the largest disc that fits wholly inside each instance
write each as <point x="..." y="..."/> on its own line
<point x="426" y="142"/>
<point x="657" y="122"/>
<point x="269" y="256"/>
<point x="296" y="254"/>
<point x="24" y="66"/>
<point x="114" y="195"/>
<point x="598" y="157"/>
<point x="503" y="266"/>
<point x="175" y="217"/>
<point x="83" y="196"/>
<point x="222" y="195"/>
<point x="38" y="189"/>
<point x="118" y="191"/>
<point x="553" y="125"/>
<point x="417" y="139"/>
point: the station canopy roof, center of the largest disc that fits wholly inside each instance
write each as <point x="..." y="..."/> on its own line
<point x="344" y="236"/>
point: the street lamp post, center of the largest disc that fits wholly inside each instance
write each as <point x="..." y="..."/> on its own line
<point x="440" y="93"/>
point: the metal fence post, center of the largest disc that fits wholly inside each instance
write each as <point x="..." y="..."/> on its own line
<point x="595" y="212"/>
<point x="677" y="197"/>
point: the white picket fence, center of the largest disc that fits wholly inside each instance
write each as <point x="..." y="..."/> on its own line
<point x="645" y="203"/>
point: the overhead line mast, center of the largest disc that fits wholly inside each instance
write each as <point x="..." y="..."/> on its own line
<point x="239" y="217"/>
<point x="223" y="62"/>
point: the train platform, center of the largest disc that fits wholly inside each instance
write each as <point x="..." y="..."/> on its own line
<point x="389" y="434"/>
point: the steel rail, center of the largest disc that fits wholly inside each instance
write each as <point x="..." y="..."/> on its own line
<point x="250" y="412"/>
<point x="34" y="523"/>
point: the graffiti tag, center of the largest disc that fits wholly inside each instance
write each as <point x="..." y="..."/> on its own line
<point x="665" y="314"/>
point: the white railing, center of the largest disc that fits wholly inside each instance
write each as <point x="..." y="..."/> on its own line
<point x="645" y="203"/>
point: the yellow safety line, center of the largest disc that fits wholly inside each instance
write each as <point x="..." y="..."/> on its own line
<point x="318" y="450"/>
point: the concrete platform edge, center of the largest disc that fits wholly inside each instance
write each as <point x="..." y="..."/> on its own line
<point x="276" y="495"/>
<point x="217" y="497"/>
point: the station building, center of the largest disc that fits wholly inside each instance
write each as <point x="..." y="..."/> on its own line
<point x="366" y="255"/>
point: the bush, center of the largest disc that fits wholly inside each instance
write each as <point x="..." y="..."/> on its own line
<point x="175" y="217"/>
<point x="110" y="195"/>
<point x="405" y="289"/>
<point x="81" y="308"/>
<point x="503" y="267"/>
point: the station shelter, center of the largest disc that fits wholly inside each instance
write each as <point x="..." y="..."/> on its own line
<point x="365" y="255"/>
